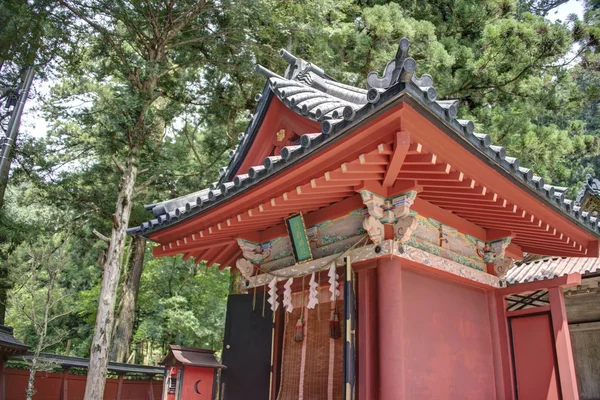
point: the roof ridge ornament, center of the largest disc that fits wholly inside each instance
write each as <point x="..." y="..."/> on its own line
<point x="298" y="65"/>
<point x="399" y="69"/>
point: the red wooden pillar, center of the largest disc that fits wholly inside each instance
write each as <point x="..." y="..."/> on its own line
<point x="562" y="340"/>
<point x="2" y="385"/>
<point x="505" y="385"/>
<point x="367" y="335"/>
<point x="391" y="355"/>
<point x="120" y="387"/>
<point x="499" y="333"/>
<point x="64" y="388"/>
<point x="150" y="391"/>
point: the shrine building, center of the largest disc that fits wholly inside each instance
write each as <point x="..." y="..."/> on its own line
<point x="374" y="231"/>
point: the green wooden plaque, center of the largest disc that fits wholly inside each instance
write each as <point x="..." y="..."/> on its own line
<point x="298" y="238"/>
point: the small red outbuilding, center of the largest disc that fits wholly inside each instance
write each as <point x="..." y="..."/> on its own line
<point x="190" y="374"/>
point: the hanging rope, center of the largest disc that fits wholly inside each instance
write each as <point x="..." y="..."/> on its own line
<point x="264" y="298"/>
<point x="254" y="298"/>
<point x="363" y="239"/>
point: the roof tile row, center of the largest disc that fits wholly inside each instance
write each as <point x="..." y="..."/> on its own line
<point x="308" y="91"/>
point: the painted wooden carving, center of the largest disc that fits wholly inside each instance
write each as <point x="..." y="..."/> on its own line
<point x="245" y="267"/>
<point x="374" y="203"/>
<point x="405" y="227"/>
<point x="495" y="254"/>
<point x="501" y="267"/>
<point x="495" y="250"/>
<point x="444" y="241"/>
<point x="394" y="211"/>
<point x="332" y="237"/>
<point x="251" y="251"/>
<point x="401" y="204"/>
<point x="374" y="229"/>
<point x="386" y="248"/>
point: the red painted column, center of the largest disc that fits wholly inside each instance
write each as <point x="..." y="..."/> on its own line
<point x="367" y="335"/>
<point x="120" y="387"/>
<point x="2" y="385"/>
<point x="562" y="339"/>
<point x="504" y="374"/>
<point x="150" y="391"/>
<point x="391" y="358"/>
<point x="64" y="389"/>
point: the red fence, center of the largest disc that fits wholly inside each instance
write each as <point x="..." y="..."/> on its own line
<point x="49" y="386"/>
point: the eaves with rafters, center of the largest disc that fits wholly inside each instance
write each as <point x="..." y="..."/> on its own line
<point x="327" y="140"/>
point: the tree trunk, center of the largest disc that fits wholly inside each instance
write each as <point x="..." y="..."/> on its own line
<point x="123" y="333"/>
<point x="235" y="282"/>
<point x="34" y="361"/>
<point x="96" y="377"/>
<point x="3" y="288"/>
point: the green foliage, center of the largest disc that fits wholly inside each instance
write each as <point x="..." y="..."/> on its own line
<point x="182" y="302"/>
<point x="532" y="84"/>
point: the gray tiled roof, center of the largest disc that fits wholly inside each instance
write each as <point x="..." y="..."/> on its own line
<point x="307" y="90"/>
<point x="80" y="362"/>
<point x="548" y="268"/>
<point x="8" y="340"/>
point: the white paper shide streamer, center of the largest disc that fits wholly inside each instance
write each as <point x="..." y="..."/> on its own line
<point x="313" y="292"/>
<point x="333" y="282"/>
<point x="287" y="295"/>
<point x="273" y="295"/>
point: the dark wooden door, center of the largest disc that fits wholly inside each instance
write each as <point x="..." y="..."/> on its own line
<point x="247" y="349"/>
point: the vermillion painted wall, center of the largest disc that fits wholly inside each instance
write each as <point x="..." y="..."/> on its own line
<point x="197" y="383"/>
<point x="48" y="386"/>
<point x="447" y="340"/>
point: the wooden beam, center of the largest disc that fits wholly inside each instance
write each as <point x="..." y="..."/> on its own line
<point x="295" y="196"/>
<point x="337" y="175"/>
<point x="226" y="253"/>
<point x="358" y="168"/>
<point x="321" y="186"/>
<point x="459" y="198"/>
<point x="401" y="148"/>
<point x="444" y="189"/>
<point x="158" y="251"/>
<point x="420" y="159"/>
<point x="211" y="255"/>
<point x="566" y="243"/>
<point x="373" y="159"/>
<point x="550" y="251"/>
<point x="427" y="169"/>
<point x="495" y="218"/>
<point x="495" y="234"/>
<point x="323" y="182"/>
<point x="231" y="260"/>
<point x="452" y="176"/>
<point x="593" y="249"/>
<point x="466" y="184"/>
<point x="514" y="251"/>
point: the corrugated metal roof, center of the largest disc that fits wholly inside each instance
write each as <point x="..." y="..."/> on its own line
<point x="308" y="91"/>
<point x="191" y="356"/>
<point x="548" y="268"/>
